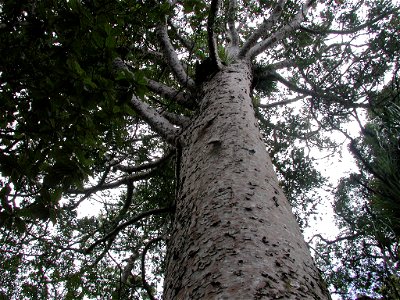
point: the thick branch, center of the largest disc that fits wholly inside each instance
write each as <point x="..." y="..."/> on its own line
<point x="279" y="34"/>
<point x="263" y="29"/>
<point x="135" y="219"/>
<point x="233" y="34"/>
<point x="170" y="93"/>
<point x="172" y="58"/>
<point x="157" y="122"/>
<point x="189" y="45"/>
<point x="179" y="120"/>
<point x="281" y="65"/>
<point x="212" y="40"/>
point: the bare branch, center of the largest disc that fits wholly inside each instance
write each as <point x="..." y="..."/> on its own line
<point x="120" y="227"/>
<point x="124" y="180"/>
<point x="350" y="30"/>
<point x="212" y="40"/>
<point x="317" y="94"/>
<point x="170" y="93"/>
<point x="146" y="286"/>
<point x="189" y="45"/>
<point x="279" y="34"/>
<point x="339" y="239"/>
<point x="172" y="58"/>
<point x="157" y="122"/>
<point x="263" y="29"/>
<point x="233" y="34"/>
<point x="176" y="119"/>
<point x="279" y="103"/>
<point x="149" y="165"/>
<point x="281" y="65"/>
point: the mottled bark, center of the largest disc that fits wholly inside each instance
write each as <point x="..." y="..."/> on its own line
<point x="234" y="235"/>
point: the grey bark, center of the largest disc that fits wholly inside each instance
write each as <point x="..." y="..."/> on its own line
<point x="234" y="234"/>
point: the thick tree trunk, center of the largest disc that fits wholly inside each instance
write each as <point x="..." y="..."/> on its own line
<point x="234" y="234"/>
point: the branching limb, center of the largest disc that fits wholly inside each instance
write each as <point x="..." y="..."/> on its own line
<point x="117" y="183"/>
<point x="146" y="166"/>
<point x="157" y="122"/>
<point x="172" y="58"/>
<point x="339" y="239"/>
<point x="233" y="33"/>
<point x="211" y="38"/>
<point x="170" y="93"/>
<point x="317" y="94"/>
<point x="283" y="102"/>
<point x="186" y="43"/>
<point x="350" y="30"/>
<point x="120" y="227"/>
<point x="278" y="35"/>
<point x="146" y="286"/>
<point x="126" y="274"/>
<point x="263" y="29"/>
<point x="281" y="65"/>
<point x="175" y="119"/>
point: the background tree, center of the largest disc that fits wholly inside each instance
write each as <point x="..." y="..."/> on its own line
<point x="94" y="96"/>
<point x="367" y="206"/>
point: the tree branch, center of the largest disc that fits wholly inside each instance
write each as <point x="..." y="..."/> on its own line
<point x="170" y="93"/>
<point x="176" y="119"/>
<point x="146" y="286"/>
<point x="111" y="185"/>
<point x="330" y="242"/>
<point x="233" y="34"/>
<point x="157" y="122"/>
<point x="320" y="94"/>
<point x="279" y="103"/>
<point x="120" y="227"/>
<point x="172" y="58"/>
<point x="149" y="165"/>
<point x="211" y="38"/>
<point x="186" y="43"/>
<point x="350" y="30"/>
<point x="263" y="29"/>
<point x="279" y="34"/>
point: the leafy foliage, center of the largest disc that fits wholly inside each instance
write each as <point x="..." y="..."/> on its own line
<point x="82" y="168"/>
<point x="367" y="206"/>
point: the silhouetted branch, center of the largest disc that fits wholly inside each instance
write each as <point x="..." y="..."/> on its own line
<point x="350" y="30"/>
<point x="330" y="242"/>
<point x="317" y="94"/>
<point x="146" y="286"/>
<point x="146" y="166"/>
<point x="120" y="227"/>
<point x="279" y="103"/>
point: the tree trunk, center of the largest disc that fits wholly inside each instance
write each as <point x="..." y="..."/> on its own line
<point x="234" y="234"/>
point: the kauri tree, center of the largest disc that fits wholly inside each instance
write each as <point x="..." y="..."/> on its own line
<point x="160" y="113"/>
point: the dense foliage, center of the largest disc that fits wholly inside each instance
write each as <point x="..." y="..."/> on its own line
<point x="87" y="186"/>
